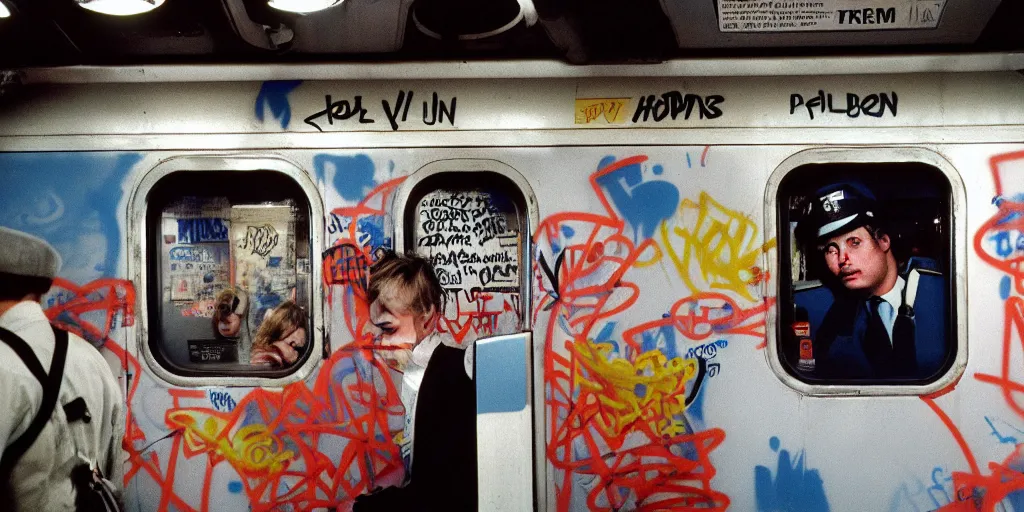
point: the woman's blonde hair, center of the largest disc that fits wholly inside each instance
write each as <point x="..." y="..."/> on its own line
<point x="406" y="283"/>
<point x="282" y="320"/>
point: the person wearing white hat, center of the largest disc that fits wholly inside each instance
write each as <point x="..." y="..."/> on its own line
<point x="63" y="413"/>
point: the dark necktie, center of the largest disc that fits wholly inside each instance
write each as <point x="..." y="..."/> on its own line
<point x="876" y="344"/>
<point x="904" y="351"/>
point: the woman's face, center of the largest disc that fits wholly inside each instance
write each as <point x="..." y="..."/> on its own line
<point x="398" y="325"/>
<point x="229" y="325"/>
<point x="287" y="345"/>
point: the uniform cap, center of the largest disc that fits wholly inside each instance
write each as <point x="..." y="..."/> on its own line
<point x="25" y="255"/>
<point x="840" y="208"/>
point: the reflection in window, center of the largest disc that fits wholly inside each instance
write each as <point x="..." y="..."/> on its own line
<point x="230" y="274"/>
<point x="867" y="287"/>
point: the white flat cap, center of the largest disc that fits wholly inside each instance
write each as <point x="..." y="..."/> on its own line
<point x="25" y="255"/>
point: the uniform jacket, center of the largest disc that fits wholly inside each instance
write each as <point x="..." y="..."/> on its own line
<point x="41" y="480"/>
<point x="839" y="322"/>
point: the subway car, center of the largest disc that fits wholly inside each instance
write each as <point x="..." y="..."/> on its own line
<point x="650" y="264"/>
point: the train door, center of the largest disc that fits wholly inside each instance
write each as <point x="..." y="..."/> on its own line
<point x="473" y="220"/>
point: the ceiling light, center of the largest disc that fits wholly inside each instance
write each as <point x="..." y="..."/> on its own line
<point x="120" y="7"/>
<point x="303" y="6"/>
<point x="4" y="11"/>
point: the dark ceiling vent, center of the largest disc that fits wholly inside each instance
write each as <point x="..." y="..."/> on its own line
<point x="466" y="19"/>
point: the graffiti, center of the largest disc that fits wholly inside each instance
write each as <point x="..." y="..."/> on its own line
<point x="345" y="265"/>
<point x="713" y="369"/>
<point x="260" y="239"/>
<point x="722" y="243"/>
<point x="435" y="111"/>
<point x="793" y="487"/>
<point x="352" y="176"/>
<point x="873" y="105"/>
<point x="438" y="111"/>
<point x="649" y="387"/>
<point x="673" y="103"/>
<point x="340" y="110"/>
<point x="273" y="95"/>
<point x="474" y="313"/>
<point x="475" y="252"/>
<point x="194" y="231"/>
<point x="617" y="395"/>
<point x="708" y="350"/>
<point x="221" y="400"/>
<point x="1004" y="481"/>
<point x="1015" y="438"/>
<point x="612" y="110"/>
<point x="643" y="204"/>
<point x="72" y="210"/>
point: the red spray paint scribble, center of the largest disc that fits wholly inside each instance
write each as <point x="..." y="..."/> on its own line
<point x="599" y="428"/>
<point x="273" y="439"/>
<point x="974" y="490"/>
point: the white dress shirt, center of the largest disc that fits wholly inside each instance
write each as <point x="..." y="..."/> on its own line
<point x="894" y="298"/>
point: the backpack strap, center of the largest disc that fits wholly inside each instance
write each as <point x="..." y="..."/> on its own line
<point x="51" y="390"/>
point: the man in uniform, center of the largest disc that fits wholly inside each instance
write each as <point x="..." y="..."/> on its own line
<point x="85" y="423"/>
<point x="884" y="322"/>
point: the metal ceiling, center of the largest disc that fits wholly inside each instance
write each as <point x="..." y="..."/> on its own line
<point x="59" y="33"/>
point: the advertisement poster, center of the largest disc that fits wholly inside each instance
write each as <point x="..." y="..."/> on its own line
<point x="827" y="15"/>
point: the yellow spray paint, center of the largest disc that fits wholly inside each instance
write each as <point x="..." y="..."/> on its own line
<point x="252" y="448"/>
<point x="651" y="389"/>
<point x="722" y="243"/>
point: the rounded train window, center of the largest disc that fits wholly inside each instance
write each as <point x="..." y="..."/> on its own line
<point x="866" y="292"/>
<point x="228" y="273"/>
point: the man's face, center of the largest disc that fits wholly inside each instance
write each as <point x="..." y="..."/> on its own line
<point x="857" y="259"/>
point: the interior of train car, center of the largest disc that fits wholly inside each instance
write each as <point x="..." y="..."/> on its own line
<point x="553" y="255"/>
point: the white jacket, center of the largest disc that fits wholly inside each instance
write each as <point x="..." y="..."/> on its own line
<point x="41" y="479"/>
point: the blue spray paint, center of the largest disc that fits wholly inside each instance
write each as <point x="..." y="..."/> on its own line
<point x="696" y="407"/>
<point x="71" y="200"/>
<point x="1004" y="287"/>
<point x="1011" y="437"/>
<point x="274" y="95"/>
<point x="793" y="488"/>
<point x="353" y="175"/>
<point x="644" y="204"/>
<point x="605" y="335"/>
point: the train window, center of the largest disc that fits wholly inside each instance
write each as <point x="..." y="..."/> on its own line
<point x="865" y="296"/>
<point x="229" y="283"/>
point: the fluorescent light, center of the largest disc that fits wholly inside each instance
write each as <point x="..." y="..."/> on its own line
<point x="303" y="6"/>
<point x="120" y="7"/>
<point x="4" y="11"/>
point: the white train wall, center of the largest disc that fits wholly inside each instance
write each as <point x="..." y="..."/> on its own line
<point x="667" y="254"/>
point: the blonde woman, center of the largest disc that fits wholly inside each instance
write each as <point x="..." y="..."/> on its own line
<point x="406" y="300"/>
<point x="281" y="337"/>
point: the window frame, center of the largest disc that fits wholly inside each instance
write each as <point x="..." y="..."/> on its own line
<point x="957" y="270"/>
<point x="138" y="238"/>
<point x="475" y="165"/>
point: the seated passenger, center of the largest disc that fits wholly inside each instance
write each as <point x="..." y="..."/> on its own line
<point x="281" y="338"/>
<point x="885" y="322"/>
<point x="406" y="301"/>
